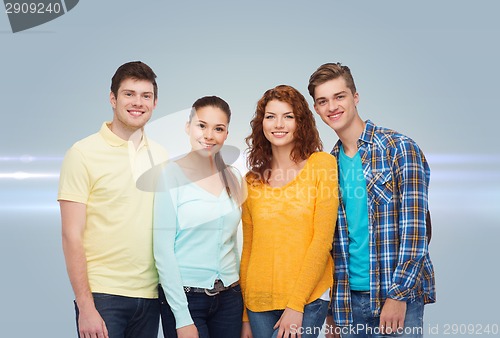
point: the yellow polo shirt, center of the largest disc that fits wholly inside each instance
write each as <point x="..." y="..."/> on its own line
<point x="101" y="171"/>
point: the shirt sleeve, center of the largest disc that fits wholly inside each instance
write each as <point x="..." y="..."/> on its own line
<point x="242" y="193"/>
<point x="325" y="215"/>
<point x="164" y="233"/>
<point x="247" y="225"/>
<point x="412" y="180"/>
<point x="74" y="180"/>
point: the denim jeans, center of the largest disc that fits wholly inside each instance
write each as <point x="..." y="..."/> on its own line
<point x="365" y="325"/>
<point x="262" y="323"/>
<point x="216" y="316"/>
<point x="127" y="317"/>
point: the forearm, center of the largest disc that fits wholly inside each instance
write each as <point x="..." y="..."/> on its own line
<point x="76" y="265"/>
<point x="411" y="257"/>
<point x="311" y="273"/>
<point x="164" y="234"/>
<point x="318" y="253"/>
<point x="412" y="177"/>
<point x="245" y="254"/>
<point x="243" y="280"/>
<point x="171" y="282"/>
<point x="73" y="219"/>
<point x="74" y="222"/>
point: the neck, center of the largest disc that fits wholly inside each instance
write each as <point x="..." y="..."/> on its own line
<point x="127" y="134"/>
<point x="350" y="136"/>
<point x="200" y="162"/>
<point x="282" y="158"/>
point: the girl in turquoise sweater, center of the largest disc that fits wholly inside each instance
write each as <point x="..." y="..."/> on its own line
<point x="195" y="225"/>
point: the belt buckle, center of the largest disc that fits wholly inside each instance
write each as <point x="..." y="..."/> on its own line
<point x="218" y="287"/>
<point x="209" y="293"/>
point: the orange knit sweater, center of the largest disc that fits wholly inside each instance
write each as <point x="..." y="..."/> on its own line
<point x="287" y="238"/>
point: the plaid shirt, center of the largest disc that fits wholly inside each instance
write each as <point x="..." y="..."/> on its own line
<point x="397" y="178"/>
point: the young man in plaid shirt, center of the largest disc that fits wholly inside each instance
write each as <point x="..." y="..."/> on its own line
<point x="383" y="273"/>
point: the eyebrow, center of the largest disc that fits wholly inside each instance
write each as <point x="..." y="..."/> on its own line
<point x="270" y="112"/>
<point x="334" y="95"/>
<point x="219" y="124"/>
<point x="133" y="91"/>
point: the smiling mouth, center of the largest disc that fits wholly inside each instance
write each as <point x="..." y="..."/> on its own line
<point x="335" y="116"/>
<point x="135" y="112"/>
<point x="207" y="145"/>
<point x="280" y="133"/>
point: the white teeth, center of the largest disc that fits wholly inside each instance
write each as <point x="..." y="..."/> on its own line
<point x="279" y="133"/>
<point x="135" y="113"/>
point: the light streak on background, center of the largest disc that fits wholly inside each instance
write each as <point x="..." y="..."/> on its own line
<point x="20" y="175"/>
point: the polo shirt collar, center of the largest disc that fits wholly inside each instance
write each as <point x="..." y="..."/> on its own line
<point x="114" y="140"/>
<point x="111" y="138"/>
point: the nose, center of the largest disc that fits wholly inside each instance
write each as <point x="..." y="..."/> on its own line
<point x="137" y="100"/>
<point x="207" y="135"/>
<point x="280" y="122"/>
<point x="332" y="105"/>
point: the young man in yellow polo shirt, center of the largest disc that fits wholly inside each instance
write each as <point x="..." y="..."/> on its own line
<point x="107" y="220"/>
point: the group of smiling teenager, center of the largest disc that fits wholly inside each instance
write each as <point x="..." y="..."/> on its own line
<point x="345" y="229"/>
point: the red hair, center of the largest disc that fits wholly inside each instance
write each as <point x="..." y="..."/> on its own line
<point x="306" y="136"/>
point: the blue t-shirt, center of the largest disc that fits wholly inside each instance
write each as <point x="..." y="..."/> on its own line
<point x="353" y="191"/>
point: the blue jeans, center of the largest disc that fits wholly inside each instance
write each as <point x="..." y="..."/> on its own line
<point x="127" y="317"/>
<point x="365" y="325"/>
<point x="262" y="323"/>
<point x="216" y="316"/>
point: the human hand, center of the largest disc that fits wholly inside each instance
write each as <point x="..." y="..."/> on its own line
<point x="289" y="324"/>
<point x="331" y="327"/>
<point x="91" y="324"/>
<point x="392" y="317"/>
<point x="188" y="331"/>
<point x="246" y="330"/>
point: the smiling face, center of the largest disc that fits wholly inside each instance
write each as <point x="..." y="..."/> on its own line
<point x="279" y="124"/>
<point x="207" y="130"/>
<point x="132" y="106"/>
<point x="336" y="104"/>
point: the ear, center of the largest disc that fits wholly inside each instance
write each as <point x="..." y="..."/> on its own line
<point x="156" y="102"/>
<point x="356" y="98"/>
<point x="112" y="99"/>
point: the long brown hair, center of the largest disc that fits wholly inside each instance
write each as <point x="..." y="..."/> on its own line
<point x="231" y="183"/>
<point x="306" y="136"/>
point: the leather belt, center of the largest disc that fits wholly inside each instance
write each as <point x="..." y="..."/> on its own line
<point x="218" y="287"/>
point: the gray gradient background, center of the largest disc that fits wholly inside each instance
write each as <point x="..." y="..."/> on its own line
<point x="429" y="69"/>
